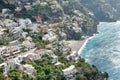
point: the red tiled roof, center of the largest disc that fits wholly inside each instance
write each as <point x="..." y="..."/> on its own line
<point x="42" y="30"/>
<point x="10" y="60"/>
<point x="39" y="51"/>
<point x="38" y="18"/>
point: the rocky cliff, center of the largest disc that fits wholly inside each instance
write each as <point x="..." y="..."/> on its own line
<point x="104" y="10"/>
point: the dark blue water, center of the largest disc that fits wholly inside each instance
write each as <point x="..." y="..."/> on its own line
<point x="103" y="50"/>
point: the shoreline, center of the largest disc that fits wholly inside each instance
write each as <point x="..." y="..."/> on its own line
<point x="75" y="45"/>
<point x="79" y="45"/>
<point x="84" y="44"/>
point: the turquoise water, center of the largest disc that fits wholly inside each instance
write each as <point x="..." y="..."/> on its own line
<point x="103" y="50"/>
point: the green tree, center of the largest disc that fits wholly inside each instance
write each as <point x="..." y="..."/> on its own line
<point x="2" y="77"/>
<point x="1" y="69"/>
<point x="80" y="77"/>
<point x="25" y="76"/>
<point x="4" y="42"/>
<point x="14" y="74"/>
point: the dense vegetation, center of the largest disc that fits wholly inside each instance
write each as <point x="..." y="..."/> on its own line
<point x="45" y="70"/>
<point x="4" y="42"/>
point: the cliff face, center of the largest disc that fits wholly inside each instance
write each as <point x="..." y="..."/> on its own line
<point x="80" y="16"/>
<point x="104" y="10"/>
<point x="89" y="23"/>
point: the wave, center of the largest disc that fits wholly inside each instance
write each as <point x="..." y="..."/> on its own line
<point x="103" y="50"/>
<point x="83" y="46"/>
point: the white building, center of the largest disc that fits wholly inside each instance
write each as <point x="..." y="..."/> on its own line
<point x="49" y="37"/>
<point x="10" y="24"/>
<point x="14" y="49"/>
<point x="74" y="56"/>
<point x="11" y="63"/>
<point x="70" y="70"/>
<point x="64" y="48"/>
<point x="28" y="44"/>
<point x="4" y="11"/>
<point x="54" y="59"/>
<point x="11" y="49"/>
<point x="29" y="69"/>
<point x="24" y="23"/>
<point x="38" y="54"/>
<point x="3" y="50"/>
<point x="13" y="43"/>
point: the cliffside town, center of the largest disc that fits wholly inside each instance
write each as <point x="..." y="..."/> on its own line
<point x="33" y="40"/>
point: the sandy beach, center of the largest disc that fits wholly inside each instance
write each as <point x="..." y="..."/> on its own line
<point x="76" y="45"/>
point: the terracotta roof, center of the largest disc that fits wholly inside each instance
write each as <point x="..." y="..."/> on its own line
<point x="39" y="51"/>
<point x="42" y="30"/>
<point x="10" y="60"/>
<point x="12" y="48"/>
<point x="38" y="18"/>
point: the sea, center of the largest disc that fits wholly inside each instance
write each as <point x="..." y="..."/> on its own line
<point x="103" y="49"/>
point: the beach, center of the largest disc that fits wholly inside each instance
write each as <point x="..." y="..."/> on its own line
<point x="76" y="45"/>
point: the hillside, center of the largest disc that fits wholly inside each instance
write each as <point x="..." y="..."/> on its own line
<point x="76" y="13"/>
<point x="104" y="10"/>
<point x="33" y="41"/>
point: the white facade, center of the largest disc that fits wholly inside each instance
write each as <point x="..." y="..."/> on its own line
<point x="29" y="69"/>
<point x="28" y="44"/>
<point x="69" y="70"/>
<point x="49" y="37"/>
<point x="24" y="23"/>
